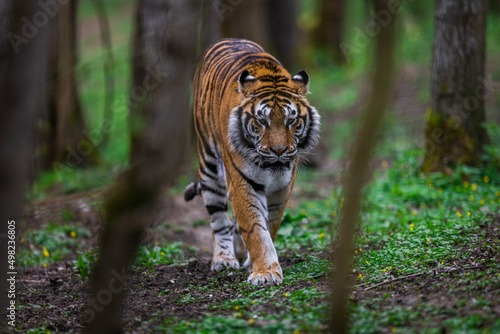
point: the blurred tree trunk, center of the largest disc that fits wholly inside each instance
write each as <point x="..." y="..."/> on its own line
<point x="23" y="70"/>
<point x="358" y="171"/>
<point x="63" y="137"/>
<point x="243" y="19"/>
<point x="330" y="31"/>
<point x="164" y="50"/>
<point x="453" y="122"/>
<point x="282" y="26"/>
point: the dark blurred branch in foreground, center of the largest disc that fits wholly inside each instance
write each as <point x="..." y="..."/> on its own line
<point x="164" y="50"/>
<point x="23" y="71"/>
<point x="358" y="170"/>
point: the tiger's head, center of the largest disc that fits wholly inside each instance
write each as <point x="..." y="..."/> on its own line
<point x="274" y="127"/>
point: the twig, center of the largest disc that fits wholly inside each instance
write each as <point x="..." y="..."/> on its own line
<point x="394" y="280"/>
<point x="419" y="274"/>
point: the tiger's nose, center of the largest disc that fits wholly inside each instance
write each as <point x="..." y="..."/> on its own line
<point x="278" y="150"/>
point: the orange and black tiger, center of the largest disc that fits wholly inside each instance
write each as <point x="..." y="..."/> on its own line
<point x="254" y="126"/>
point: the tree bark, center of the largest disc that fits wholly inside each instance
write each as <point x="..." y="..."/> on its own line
<point x="358" y="169"/>
<point x="330" y="31"/>
<point x="164" y="50"/>
<point x="23" y="70"/>
<point x="454" y="134"/>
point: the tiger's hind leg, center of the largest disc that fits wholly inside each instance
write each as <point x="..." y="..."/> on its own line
<point x="214" y="193"/>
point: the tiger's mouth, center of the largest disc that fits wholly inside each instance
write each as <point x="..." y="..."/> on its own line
<point x="276" y="166"/>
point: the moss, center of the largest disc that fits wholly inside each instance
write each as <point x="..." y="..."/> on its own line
<point x="447" y="143"/>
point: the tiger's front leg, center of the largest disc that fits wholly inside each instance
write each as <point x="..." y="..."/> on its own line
<point x="250" y="208"/>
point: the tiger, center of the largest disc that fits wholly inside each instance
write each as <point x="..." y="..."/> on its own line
<point x="254" y="127"/>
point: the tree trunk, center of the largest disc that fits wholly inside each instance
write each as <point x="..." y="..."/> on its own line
<point x="358" y="169"/>
<point x="453" y="122"/>
<point x="23" y="70"/>
<point x="330" y="31"/>
<point x="63" y="135"/>
<point x="164" y="51"/>
<point x="282" y="27"/>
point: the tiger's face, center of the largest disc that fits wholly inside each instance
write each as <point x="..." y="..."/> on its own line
<point x="274" y="127"/>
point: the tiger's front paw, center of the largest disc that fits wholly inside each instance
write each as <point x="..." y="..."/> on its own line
<point x="223" y="262"/>
<point x="271" y="277"/>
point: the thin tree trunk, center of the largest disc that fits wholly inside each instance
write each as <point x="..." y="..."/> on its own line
<point x="358" y="169"/>
<point x="23" y="70"/>
<point x="454" y="134"/>
<point x="282" y="27"/>
<point x="63" y="139"/>
<point x="164" y="50"/>
<point x="329" y="33"/>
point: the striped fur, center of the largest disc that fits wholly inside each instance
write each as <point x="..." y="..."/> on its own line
<point x="254" y="126"/>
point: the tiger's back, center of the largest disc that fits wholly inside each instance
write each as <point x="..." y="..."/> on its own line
<point x="253" y="127"/>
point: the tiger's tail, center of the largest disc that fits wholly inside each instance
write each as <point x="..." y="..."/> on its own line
<point x="193" y="189"/>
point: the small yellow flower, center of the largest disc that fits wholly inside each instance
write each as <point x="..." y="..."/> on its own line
<point x="385" y="164"/>
<point x="359" y="276"/>
<point x="416" y="250"/>
<point x="486" y="179"/>
<point x="367" y="262"/>
<point x="442" y="262"/>
<point x="72" y="234"/>
<point x="296" y="331"/>
<point x="236" y="307"/>
<point x="355" y="252"/>
<point x="459" y="214"/>
<point x="46" y="253"/>
<point x="390" y="267"/>
<point x="45" y="265"/>
<point x="360" y="249"/>
<point x="96" y="258"/>
<point x="188" y="324"/>
<point x="466" y="184"/>
<point x="394" y="329"/>
<point x="428" y="240"/>
<point x="468" y="213"/>
<point x="321" y="236"/>
<point x="411" y="225"/>
<point x="251" y="321"/>
<point x="481" y="202"/>
<point x="467" y="273"/>
<point x="253" y="302"/>
<point x="22" y="240"/>
<point x="473" y="186"/>
<point x="384" y="270"/>
<point x="294" y="309"/>
<point x="286" y="294"/>
<point x="411" y="228"/>
<point x="335" y="213"/>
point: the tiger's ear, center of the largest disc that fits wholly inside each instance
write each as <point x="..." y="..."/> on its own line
<point x="302" y="81"/>
<point x="245" y="81"/>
